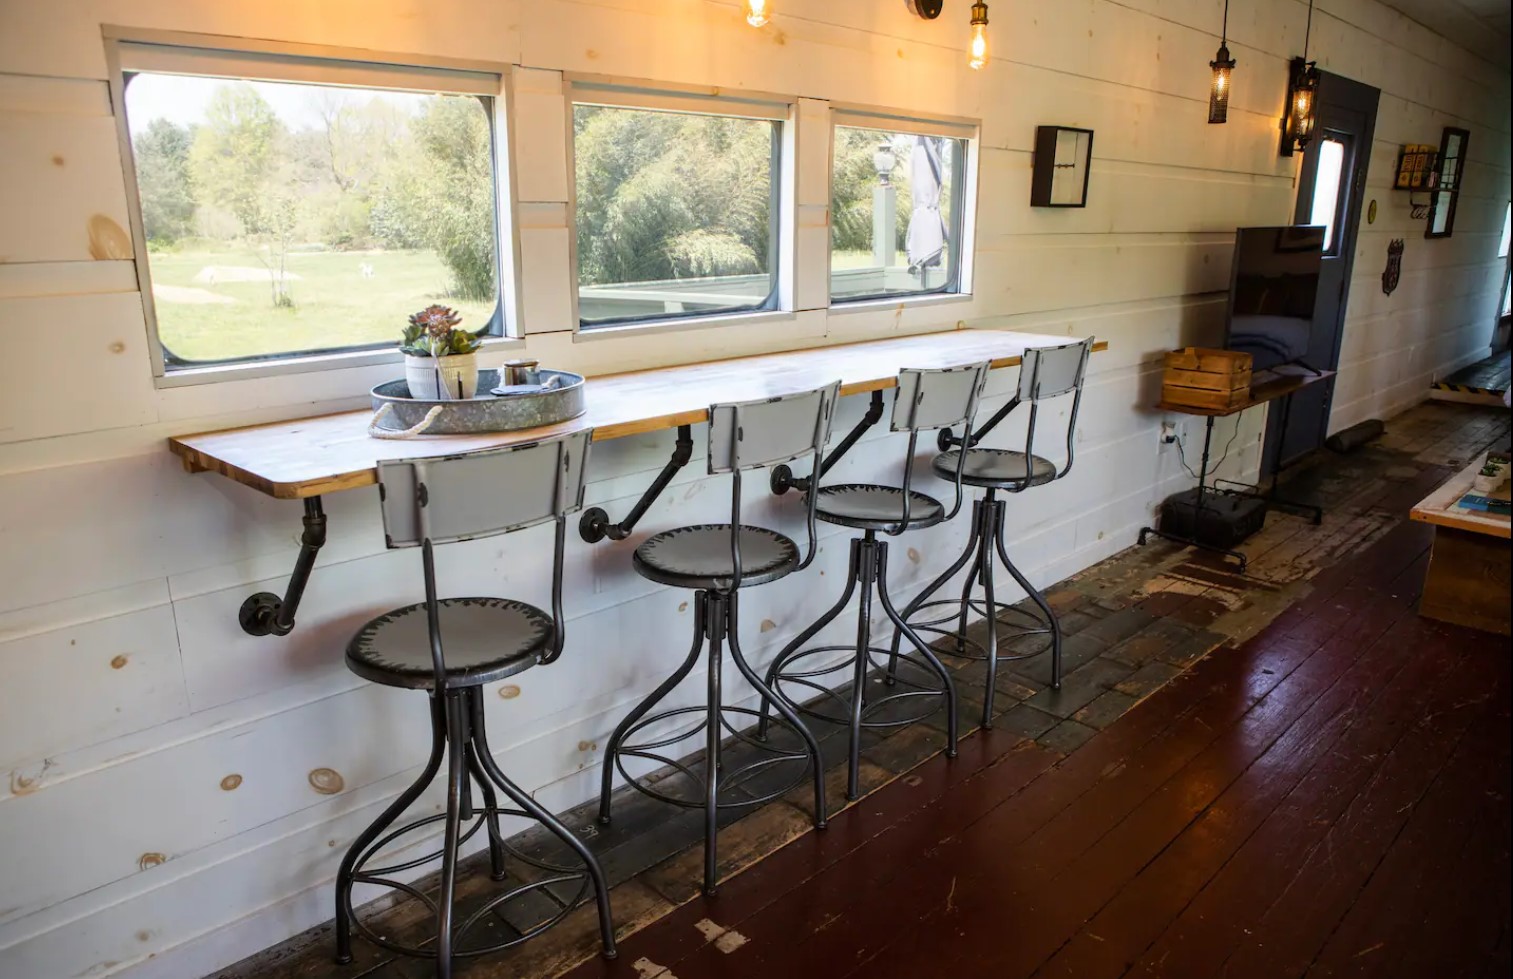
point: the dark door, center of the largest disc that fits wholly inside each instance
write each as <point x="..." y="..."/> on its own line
<point x="1331" y="185"/>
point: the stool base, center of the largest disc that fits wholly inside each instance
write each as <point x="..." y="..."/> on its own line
<point x="987" y="538"/>
<point x="869" y="569"/>
<point x="716" y="623"/>
<point x="457" y="729"/>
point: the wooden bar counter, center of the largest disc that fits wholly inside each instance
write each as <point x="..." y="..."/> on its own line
<point x="312" y="456"/>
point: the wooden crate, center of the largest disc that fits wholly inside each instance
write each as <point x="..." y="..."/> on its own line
<point x="1206" y="378"/>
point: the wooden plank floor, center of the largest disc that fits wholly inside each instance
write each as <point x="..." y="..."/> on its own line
<point x="1281" y="773"/>
<point x="1329" y="798"/>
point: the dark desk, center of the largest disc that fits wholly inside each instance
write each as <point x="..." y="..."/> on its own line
<point x="1281" y="386"/>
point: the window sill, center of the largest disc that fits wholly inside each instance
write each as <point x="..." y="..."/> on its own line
<point x="876" y="305"/>
<point x="304" y="365"/>
<point x="625" y="330"/>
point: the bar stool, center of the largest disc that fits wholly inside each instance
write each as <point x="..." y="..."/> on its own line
<point x="1047" y="373"/>
<point x="925" y="400"/>
<point x="450" y="648"/>
<point x="717" y="561"/>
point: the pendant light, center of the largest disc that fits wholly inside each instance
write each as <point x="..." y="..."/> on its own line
<point x="977" y="48"/>
<point x="756" y="12"/>
<point x="1223" y="64"/>
<point x="1302" y="96"/>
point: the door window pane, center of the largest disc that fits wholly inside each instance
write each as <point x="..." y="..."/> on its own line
<point x="286" y="219"/>
<point x="895" y="214"/>
<point x="1326" y="189"/>
<point x="676" y="215"/>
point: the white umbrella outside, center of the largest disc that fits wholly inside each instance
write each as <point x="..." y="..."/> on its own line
<point x="926" y="240"/>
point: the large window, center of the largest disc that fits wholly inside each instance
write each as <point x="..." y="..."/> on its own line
<point x="897" y="212"/>
<point x="677" y="205"/>
<point x="283" y="217"/>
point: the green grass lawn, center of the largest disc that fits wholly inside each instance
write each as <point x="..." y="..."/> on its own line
<point x="335" y="305"/>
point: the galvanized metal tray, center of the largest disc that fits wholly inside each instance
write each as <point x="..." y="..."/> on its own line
<point x="397" y="415"/>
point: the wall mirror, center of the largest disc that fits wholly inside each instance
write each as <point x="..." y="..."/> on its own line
<point x="1452" y="160"/>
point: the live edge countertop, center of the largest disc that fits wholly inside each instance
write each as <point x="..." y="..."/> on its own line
<point x="311" y="456"/>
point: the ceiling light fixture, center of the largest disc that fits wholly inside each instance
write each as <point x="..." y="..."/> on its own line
<point x="756" y="12"/>
<point x="1223" y="64"/>
<point x="977" y="48"/>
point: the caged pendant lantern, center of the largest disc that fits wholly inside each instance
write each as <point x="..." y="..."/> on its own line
<point x="1222" y="65"/>
<point x="1302" y="97"/>
<point x="977" y="47"/>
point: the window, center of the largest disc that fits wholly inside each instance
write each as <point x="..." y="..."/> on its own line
<point x="897" y="208"/>
<point x="292" y="206"/>
<point x="1326" y="189"/>
<point x="677" y="204"/>
<point x="1507" y="231"/>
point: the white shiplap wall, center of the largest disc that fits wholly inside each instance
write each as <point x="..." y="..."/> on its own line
<point x="128" y="694"/>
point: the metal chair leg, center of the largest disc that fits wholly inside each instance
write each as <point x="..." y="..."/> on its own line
<point x="457" y="740"/>
<point x="1038" y="599"/>
<point x="712" y="743"/>
<point x="491" y="820"/>
<point x="902" y="625"/>
<point x="738" y="657"/>
<point x="867" y="573"/>
<point x="545" y="818"/>
<point x="379" y="826"/>
<point x="639" y="711"/>
<point x="797" y="645"/>
<point x="934" y="586"/>
<point x="991" y="509"/>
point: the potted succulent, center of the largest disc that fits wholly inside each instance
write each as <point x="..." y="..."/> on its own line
<point x="1489" y="478"/>
<point x="441" y="358"/>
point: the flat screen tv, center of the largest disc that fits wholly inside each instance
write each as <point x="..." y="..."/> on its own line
<point x="1272" y="290"/>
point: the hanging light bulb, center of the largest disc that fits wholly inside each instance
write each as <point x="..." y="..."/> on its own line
<point x="977" y="49"/>
<point x="1223" y="64"/>
<point x="756" y="12"/>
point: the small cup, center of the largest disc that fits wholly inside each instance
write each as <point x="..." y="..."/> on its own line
<point x="518" y="372"/>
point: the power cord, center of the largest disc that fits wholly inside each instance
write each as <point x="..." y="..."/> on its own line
<point x="1182" y="457"/>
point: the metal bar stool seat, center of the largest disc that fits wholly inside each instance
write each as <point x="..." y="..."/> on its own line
<point x="1047" y="373"/>
<point x="451" y="648"/>
<point x="488" y="639"/>
<point x="1002" y="469"/>
<point x="864" y="506"/>
<point x="716" y="561"/>
<point x="699" y="557"/>
<point x="804" y="676"/>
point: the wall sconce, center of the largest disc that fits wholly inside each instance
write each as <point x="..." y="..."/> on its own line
<point x="977" y="48"/>
<point x="1302" y="108"/>
<point x="1222" y="65"/>
<point x="928" y="9"/>
<point x="1302" y="97"/>
<point x="756" y="12"/>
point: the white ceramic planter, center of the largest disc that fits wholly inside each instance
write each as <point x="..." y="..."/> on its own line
<point x="442" y="378"/>
<point x="1486" y="484"/>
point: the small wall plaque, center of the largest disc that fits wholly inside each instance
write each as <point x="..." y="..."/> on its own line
<point x="1062" y="158"/>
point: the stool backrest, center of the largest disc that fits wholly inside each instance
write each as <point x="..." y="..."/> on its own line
<point x="754" y="434"/>
<point x="927" y="400"/>
<point x="482" y="494"/>
<point x="1047" y="373"/>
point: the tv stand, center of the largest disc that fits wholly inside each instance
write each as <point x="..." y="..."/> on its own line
<point x="1282" y="388"/>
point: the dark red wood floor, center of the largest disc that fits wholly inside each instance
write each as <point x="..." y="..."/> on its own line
<point x="1331" y="798"/>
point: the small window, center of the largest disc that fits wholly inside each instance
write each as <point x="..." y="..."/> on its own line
<point x="677" y="205"/>
<point x="1507" y="231"/>
<point x="896" y="212"/>
<point x="1326" y="189"/>
<point x="285" y="218"/>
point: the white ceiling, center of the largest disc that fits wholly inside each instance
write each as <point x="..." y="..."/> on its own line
<point x="1483" y="27"/>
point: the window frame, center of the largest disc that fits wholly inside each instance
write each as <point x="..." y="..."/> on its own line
<point x="169" y="52"/>
<point x="965" y="205"/>
<point x="640" y="94"/>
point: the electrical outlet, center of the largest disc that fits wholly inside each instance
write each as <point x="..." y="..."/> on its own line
<point x="1168" y="433"/>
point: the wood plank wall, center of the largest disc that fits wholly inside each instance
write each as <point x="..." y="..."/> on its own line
<point x="158" y="811"/>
